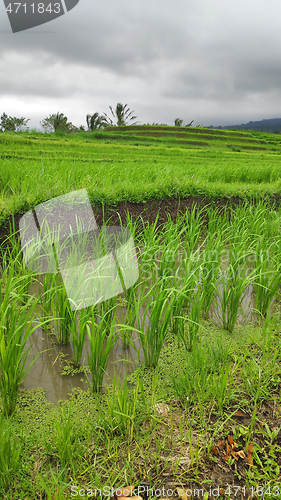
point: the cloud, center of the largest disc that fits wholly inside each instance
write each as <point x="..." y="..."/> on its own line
<point x="217" y="60"/>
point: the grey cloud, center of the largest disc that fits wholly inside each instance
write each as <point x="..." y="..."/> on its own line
<point x="161" y="57"/>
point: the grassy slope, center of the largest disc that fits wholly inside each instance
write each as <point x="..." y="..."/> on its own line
<point x="119" y="164"/>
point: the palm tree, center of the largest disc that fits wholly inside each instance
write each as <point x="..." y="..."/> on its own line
<point x="56" y="122"/>
<point x="178" y="122"/>
<point x="93" y="121"/>
<point x="122" y="114"/>
<point x="60" y="121"/>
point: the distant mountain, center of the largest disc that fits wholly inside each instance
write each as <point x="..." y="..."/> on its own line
<point x="271" y="125"/>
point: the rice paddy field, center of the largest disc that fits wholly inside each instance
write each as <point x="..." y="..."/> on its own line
<point x="173" y="385"/>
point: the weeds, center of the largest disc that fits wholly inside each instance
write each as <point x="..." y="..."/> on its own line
<point x="122" y="405"/>
<point x="10" y="454"/>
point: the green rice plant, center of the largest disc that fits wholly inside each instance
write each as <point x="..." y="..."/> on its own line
<point x="183" y="299"/>
<point x="129" y="317"/>
<point x="256" y="221"/>
<point x="209" y="272"/>
<point x="193" y="319"/>
<point x="149" y="257"/>
<point x="234" y="284"/>
<point x="11" y="253"/>
<point x="16" y="326"/>
<point x="238" y="230"/>
<point x="107" y="310"/>
<point x="193" y="224"/>
<point x="11" y="250"/>
<point x="186" y="324"/>
<point x="10" y="454"/>
<point x="102" y="338"/>
<point x="64" y="317"/>
<point x="153" y="322"/>
<point x="178" y="319"/>
<point x="79" y="330"/>
<point x="166" y="263"/>
<point x="149" y="232"/>
<point x="169" y="251"/>
<point x="24" y="281"/>
<point x="267" y="278"/>
<point x="47" y="290"/>
<point x="122" y="406"/>
<point x="147" y="265"/>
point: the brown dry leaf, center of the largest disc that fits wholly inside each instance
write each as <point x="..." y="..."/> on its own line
<point x="214" y="451"/>
<point x="221" y="490"/>
<point x="231" y="442"/>
<point x="234" y="454"/>
<point x="124" y="492"/>
<point x="227" y="449"/>
<point x="221" y="445"/>
<point x="182" y="494"/>
<point x="250" y="454"/>
<point x="226" y="457"/>
<point x="241" y="454"/>
<point x="239" y="413"/>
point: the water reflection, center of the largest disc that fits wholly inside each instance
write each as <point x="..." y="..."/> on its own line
<point x="46" y="370"/>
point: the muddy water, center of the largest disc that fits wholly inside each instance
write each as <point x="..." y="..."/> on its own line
<point x="46" y="370"/>
<point x="53" y="358"/>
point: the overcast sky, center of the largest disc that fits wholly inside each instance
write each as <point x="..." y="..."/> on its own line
<point x="215" y="62"/>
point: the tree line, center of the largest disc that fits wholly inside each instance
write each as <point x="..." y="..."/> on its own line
<point x="120" y="116"/>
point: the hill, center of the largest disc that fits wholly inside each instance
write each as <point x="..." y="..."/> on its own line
<point x="272" y="125"/>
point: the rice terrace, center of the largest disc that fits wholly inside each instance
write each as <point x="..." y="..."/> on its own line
<point x="173" y="385"/>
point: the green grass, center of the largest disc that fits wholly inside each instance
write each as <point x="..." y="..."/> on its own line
<point x="199" y="369"/>
<point x="115" y="166"/>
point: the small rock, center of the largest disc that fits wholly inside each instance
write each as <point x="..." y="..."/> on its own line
<point x="162" y="409"/>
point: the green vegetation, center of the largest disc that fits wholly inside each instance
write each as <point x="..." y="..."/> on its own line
<point x="120" y="165"/>
<point x="199" y="365"/>
<point x="203" y="317"/>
